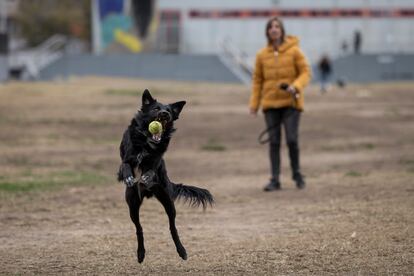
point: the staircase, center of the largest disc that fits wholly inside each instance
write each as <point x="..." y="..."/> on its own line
<point x="30" y="62"/>
<point x="236" y="61"/>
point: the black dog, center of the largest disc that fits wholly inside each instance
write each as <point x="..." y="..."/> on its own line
<point x="143" y="168"/>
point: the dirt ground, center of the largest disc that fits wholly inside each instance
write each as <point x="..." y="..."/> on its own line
<point x="62" y="211"/>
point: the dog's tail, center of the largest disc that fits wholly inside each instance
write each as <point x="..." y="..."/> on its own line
<point x="194" y="196"/>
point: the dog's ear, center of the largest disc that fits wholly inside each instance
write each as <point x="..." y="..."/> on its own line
<point x="176" y="109"/>
<point x="147" y="99"/>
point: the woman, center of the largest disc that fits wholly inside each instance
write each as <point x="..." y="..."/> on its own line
<point x="280" y="75"/>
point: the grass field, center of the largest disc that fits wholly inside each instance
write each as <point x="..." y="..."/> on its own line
<point x="62" y="211"/>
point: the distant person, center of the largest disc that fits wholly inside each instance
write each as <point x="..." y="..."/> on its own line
<point x="344" y="47"/>
<point x="325" y="71"/>
<point x="280" y="75"/>
<point x="357" y="42"/>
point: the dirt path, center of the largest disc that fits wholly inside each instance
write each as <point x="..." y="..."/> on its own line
<point x="355" y="216"/>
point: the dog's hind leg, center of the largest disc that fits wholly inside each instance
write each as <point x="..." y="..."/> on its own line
<point x="169" y="207"/>
<point x="134" y="203"/>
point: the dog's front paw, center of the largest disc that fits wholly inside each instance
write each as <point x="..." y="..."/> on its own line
<point x="148" y="178"/>
<point x="129" y="181"/>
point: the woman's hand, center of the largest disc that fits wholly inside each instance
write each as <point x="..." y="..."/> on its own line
<point x="292" y="90"/>
<point x="253" y="112"/>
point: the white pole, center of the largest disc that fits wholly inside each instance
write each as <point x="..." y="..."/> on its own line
<point x="96" y="28"/>
<point x="3" y="16"/>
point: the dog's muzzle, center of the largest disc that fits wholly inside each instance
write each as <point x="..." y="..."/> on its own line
<point x="164" y="116"/>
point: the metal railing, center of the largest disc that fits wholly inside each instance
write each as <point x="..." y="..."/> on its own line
<point x="33" y="60"/>
<point x="236" y="60"/>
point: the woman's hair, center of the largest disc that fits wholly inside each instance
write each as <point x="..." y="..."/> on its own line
<point x="268" y="26"/>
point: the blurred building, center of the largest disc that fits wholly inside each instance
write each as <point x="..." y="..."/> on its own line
<point x="323" y="26"/>
<point x="8" y="10"/>
<point x="368" y="40"/>
<point x="234" y="30"/>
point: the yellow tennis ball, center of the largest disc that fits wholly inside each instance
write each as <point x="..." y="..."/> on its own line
<point x="155" y="127"/>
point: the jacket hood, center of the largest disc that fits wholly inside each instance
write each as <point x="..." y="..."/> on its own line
<point x="289" y="42"/>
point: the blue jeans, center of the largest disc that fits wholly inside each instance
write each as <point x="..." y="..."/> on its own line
<point x="324" y="80"/>
<point x="288" y="117"/>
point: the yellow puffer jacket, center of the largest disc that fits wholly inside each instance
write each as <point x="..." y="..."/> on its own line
<point x="289" y="66"/>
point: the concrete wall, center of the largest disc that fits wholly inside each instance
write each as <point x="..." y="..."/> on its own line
<point x="353" y="68"/>
<point x="373" y="68"/>
<point x="4" y="68"/>
<point x="144" y="66"/>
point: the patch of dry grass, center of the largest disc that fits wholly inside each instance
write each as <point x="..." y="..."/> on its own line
<point x="59" y="149"/>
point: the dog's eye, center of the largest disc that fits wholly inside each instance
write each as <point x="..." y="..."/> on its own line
<point x="156" y="108"/>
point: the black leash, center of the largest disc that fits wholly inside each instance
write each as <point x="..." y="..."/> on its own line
<point x="260" y="139"/>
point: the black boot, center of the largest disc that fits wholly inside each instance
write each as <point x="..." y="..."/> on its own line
<point x="294" y="163"/>
<point x="299" y="179"/>
<point x="273" y="185"/>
